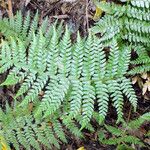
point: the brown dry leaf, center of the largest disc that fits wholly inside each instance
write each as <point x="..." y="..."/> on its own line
<point x="137" y="132"/>
<point x="140" y="83"/>
<point x="146" y="97"/>
<point x="144" y="75"/>
<point x="147" y="141"/>
<point x="146" y="87"/>
<point x="30" y="106"/>
<point x="138" y="80"/>
<point x="41" y="93"/>
<point x="81" y="148"/>
<point x="27" y="2"/>
<point x="3" y="4"/>
<point x="98" y="12"/>
<point x="134" y="79"/>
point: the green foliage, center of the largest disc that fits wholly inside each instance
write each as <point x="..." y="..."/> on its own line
<point x="74" y="81"/>
<point x="20" y="128"/>
<point x="122" y="136"/>
<point x="127" y="23"/>
<point x="19" y="27"/>
<point x="142" y="62"/>
<point x="58" y="69"/>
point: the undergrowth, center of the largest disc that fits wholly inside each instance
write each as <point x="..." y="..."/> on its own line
<point x="65" y="85"/>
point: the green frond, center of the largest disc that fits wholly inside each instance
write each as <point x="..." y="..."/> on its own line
<point x="59" y="131"/>
<point x="117" y="98"/>
<point x="128" y="24"/>
<point x="100" y="60"/>
<point x="114" y="130"/>
<point x="127" y="89"/>
<point x="64" y="63"/>
<point x="77" y="58"/>
<point x="141" y="3"/>
<point x="113" y="60"/>
<point x="88" y="102"/>
<point x="131" y="139"/>
<point x="76" y="97"/>
<point x="71" y="77"/>
<point x="135" y="124"/>
<point x="26" y="25"/>
<point x="50" y="136"/>
<point x="20" y="129"/>
<point x="36" y="88"/>
<point x="72" y="127"/>
<point x="29" y="80"/>
<point x="140" y="69"/>
<point x="135" y="12"/>
<point x="33" y="27"/>
<point x="124" y="59"/>
<point x="103" y="99"/>
<point x="53" y="53"/>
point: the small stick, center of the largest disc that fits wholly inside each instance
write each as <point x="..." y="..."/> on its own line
<point x="87" y="20"/>
<point x="128" y="119"/>
<point x="60" y="16"/>
<point x="10" y="12"/>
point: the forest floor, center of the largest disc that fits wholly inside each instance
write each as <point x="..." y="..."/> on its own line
<point x="78" y="14"/>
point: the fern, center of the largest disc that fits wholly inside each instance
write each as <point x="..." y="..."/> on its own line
<point x="72" y="77"/>
<point x="121" y="136"/>
<point x="18" y="28"/>
<point x="37" y="74"/>
<point x="19" y="128"/>
<point x="58" y="67"/>
<point x="128" y="23"/>
<point x="142" y="62"/>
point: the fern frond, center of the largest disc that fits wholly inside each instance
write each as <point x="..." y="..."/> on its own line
<point x="127" y="24"/>
<point x="20" y="129"/>
<point x="141" y="3"/>
<point x="88" y="102"/>
<point x="127" y="89"/>
<point x="117" y="98"/>
<point x="103" y="99"/>
<point x="59" y="131"/>
<point x="71" y="76"/>
<point x="114" y="130"/>
<point x="65" y="54"/>
<point x="135" y="124"/>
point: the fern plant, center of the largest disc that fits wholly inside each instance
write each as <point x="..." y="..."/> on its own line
<point x="23" y="28"/>
<point x="128" y="23"/>
<point x="18" y="28"/>
<point x="19" y="128"/>
<point x="142" y="62"/>
<point x="60" y="68"/>
<point x="121" y="137"/>
<point x="68" y="78"/>
<point x="78" y="75"/>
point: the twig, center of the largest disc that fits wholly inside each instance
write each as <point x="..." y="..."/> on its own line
<point x="10" y="12"/>
<point x="60" y="16"/>
<point x="87" y="19"/>
<point x="128" y="119"/>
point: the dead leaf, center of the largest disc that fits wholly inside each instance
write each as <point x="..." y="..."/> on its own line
<point x="144" y="76"/>
<point x="98" y="13"/>
<point x="3" y="143"/>
<point x="147" y="141"/>
<point x="81" y="148"/>
<point x="146" y="87"/>
<point x="3" y="4"/>
<point x="27" y="2"/>
<point x="134" y="79"/>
